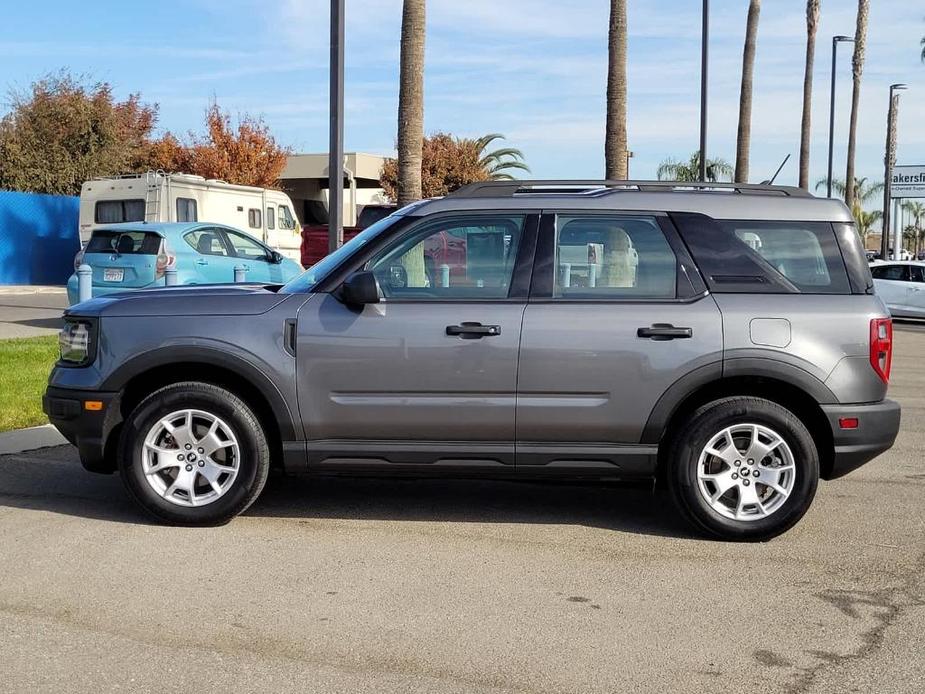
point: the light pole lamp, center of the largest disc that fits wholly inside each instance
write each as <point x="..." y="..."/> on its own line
<point x="835" y="41"/>
<point x="889" y="161"/>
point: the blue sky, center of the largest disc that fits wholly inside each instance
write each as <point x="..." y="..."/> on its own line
<point x="534" y="70"/>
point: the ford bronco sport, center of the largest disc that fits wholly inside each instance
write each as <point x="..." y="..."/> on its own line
<point x="725" y="339"/>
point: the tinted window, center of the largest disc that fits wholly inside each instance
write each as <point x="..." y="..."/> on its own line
<point x="124" y="242"/>
<point x="186" y="210"/>
<point x="765" y="257"/>
<point x="271" y="218"/>
<point x="206" y="242"/>
<point x="371" y="214"/>
<point x="470" y="258"/>
<point x="245" y="247"/>
<point x="890" y="272"/>
<point x="117" y="211"/>
<point x="613" y="257"/>
<point x="916" y="273"/>
<point x="253" y="218"/>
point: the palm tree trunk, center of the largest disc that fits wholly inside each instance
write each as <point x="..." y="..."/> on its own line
<point x="812" y="24"/>
<point x="615" y="148"/>
<point x="411" y="102"/>
<point x="745" y="94"/>
<point x="857" y="67"/>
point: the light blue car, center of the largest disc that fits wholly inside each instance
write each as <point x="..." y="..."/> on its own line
<point x="136" y="256"/>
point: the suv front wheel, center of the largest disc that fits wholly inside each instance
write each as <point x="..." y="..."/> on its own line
<point x="743" y="468"/>
<point x="193" y="454"/>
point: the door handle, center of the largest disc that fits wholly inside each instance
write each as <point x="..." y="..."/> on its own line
<point x="202" y="262"/>
<point x="473" y="331"/>
<point x="664" y="331"/>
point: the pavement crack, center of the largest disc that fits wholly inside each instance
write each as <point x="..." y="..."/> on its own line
<point x="888" y="605"/>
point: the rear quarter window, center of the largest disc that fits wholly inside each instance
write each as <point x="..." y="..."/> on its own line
<point x="745" y="256"/>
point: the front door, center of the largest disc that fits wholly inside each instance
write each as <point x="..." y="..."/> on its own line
<point x="615" y="318"/>
<point x="426" y="377"/>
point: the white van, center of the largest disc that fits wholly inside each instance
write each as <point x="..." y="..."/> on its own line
<point x="161" y="197"/>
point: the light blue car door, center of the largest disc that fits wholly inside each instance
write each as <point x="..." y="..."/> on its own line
<point x="250" y="254"/>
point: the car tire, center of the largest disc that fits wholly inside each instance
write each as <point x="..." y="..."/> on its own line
<point x="193" y="454"/>
<point x="723" y="483"/>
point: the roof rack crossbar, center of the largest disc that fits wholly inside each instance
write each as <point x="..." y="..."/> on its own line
<point x="503" y="189"/>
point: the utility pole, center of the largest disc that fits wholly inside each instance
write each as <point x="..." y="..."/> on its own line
<point x="835" y="41"/>
<point x="336" y="146"/>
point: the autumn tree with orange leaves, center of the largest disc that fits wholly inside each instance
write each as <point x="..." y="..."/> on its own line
<point x="247" y="154"/>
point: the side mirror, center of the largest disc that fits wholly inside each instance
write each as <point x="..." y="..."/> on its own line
<point x="276" y="257"/>
<point x="360" y="289"/>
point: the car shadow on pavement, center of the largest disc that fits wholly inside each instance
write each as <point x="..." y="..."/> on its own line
<point x="52" y="480"/>
<point x="632" y="509"/>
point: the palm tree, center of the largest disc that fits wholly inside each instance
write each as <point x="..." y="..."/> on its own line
<point x="689" y="171"/>
<point x="615" y="148"/>
<point x="857" y="67"/>
<point x="917" y="211"/>
<point x="864" y="192"/>
<point x="865" y="223"/>
<point x="411" y="102"/>
<point x="743" y="143"/>
<point x="812" y="24"/>
<point x="497" y="163"/>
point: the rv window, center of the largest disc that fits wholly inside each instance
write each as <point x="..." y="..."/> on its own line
<point x="116" y="211"/>
<point x="271" y="218"/>
<point x="253" y="218"/>
<point x="186" y="210"/>
<point x="286" y="220"/>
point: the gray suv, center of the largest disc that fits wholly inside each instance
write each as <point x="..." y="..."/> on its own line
<point x="722" y="339"/>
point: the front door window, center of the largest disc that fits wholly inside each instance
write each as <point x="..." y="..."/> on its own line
<point x="451" y="259"/>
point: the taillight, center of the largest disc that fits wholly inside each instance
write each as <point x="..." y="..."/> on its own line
<point x="78" y="259"/>
<point x="164" y="261"/>
<point x="881" y="347"/>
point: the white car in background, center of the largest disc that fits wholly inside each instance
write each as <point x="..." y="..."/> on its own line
<point x="901" y="285"/>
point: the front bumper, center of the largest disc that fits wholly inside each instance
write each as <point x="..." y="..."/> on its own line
<point x="89" y="430"/>
<point x="878" y="425"/>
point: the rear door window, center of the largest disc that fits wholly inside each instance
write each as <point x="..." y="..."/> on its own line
<point x="118" y="211"/>
<point x="124" y="242"/>
<point x="207" y="241"/>
<point x="613" y="257"/>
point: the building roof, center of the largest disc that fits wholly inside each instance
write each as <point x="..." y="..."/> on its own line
<point x="360" y="164"/>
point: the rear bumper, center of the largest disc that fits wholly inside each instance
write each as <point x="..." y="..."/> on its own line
<point x="878" y="425"/>
<point x="89" y="430"/>
<point x="104" y="289"/>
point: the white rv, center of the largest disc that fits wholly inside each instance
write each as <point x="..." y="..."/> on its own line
<point x="160" y="197"/>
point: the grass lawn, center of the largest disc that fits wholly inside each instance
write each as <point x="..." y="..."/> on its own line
<point x="24" y="367"/>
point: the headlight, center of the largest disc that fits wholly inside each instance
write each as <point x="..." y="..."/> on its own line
<point x="75" y="342"/>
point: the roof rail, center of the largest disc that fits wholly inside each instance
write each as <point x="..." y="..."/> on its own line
<point x="505" y="189"/>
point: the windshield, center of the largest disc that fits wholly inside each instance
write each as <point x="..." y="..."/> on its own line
<point x="317" y="272"/>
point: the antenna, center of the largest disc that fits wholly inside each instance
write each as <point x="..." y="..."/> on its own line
<point x="774" y="177"/>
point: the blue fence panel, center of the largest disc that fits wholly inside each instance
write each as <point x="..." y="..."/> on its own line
<point x="38" y="237"/>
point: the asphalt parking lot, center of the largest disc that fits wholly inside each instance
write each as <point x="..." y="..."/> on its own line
<point x="398" y="586"/>
<point x="31" y="311"/>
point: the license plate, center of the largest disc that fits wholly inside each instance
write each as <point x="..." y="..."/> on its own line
<point x="113" y="274"/>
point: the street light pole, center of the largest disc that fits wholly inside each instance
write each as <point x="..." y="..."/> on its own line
<point x="835" y="41"/>
<point x="704" y="63"/>
<point x="889" y="160"/>
<point x="336" y="145"/>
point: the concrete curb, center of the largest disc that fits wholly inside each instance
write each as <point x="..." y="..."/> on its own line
<point x="20" y="440"/>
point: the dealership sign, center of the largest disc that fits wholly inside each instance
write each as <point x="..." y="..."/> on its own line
<point x="908" y="182"/>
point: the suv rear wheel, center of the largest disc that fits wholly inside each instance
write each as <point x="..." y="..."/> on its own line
<point x="743" y="468"/>
<point x="193" y="454"/>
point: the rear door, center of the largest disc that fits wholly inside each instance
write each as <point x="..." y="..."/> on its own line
<point x="616" y="316"/>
